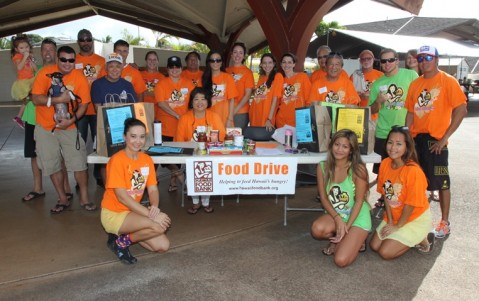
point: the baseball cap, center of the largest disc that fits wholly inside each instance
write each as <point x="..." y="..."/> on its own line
<point x="173" y="61"/>
<point x="431" y="50"/>
<point x="114" y="57"/>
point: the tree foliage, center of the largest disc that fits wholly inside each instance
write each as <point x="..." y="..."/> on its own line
<point x="323" y="27"/>
<point x="131" y="39"/>
<point x="107" y="39"/>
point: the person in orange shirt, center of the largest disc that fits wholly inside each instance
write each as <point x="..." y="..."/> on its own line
<point x="171" y="95"/>
<point x="244" y="85"/>
<point x="296" y="89"/>
<point x="322" y="54"/>
<point x="267" y="94"/>
<point x="192" y="70"/>
<point x="222" y="87"/>
<point x="130" y="73"/>
<point x="151" y="77"/>
<point x="333" y="87"/>
<point x="435" y="107"/>
<point x="65" y="143"/>
<point x="364" y="77"/>
<point x="199" y="117"/>
<point x="131" y="172"/>
<point x="402" y="183"/>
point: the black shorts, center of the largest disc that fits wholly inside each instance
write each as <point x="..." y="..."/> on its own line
<point x="29" y="146"/>
<point x="434" y="166"/>
<point x="380" y="149"/>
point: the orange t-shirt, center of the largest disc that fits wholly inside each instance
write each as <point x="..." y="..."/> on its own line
<point x="406" y="185"/>
<point x="263" y="99"/>
<point x="224" y="89"/>
<point x="195" y="77"/>
<point x="74" y="81"/>
<point x="243" y="80"/>
<point x="134" y="77"/>
<point x="296" y="91"/>
<point x="91" y="66"/>
<point x="187" y="124"/>
<point x="431" y="102"/>
<point x="151" y="79"/>
<point x="133" y="175"/>
<point x="369" y="78"/>
<point x="340" y="91"/>
<point x="27" y="71"/>
<point x="177" y="95"/>
<point x="321" y="73"/>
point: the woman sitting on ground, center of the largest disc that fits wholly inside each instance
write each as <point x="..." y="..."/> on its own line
<point x="199" y="117"/>
<point x="402" y="183"/>
<point x="129" y="173"/>
<point x="343" y="188"/>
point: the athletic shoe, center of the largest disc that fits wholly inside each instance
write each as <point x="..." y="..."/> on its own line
<point x="19" y="121"/>
<point x="123" y="255"/>
<point x="442" y="229"/>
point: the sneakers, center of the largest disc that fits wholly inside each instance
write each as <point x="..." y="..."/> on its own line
<point x="442" y="229"/>
<point x="123" y="254"/>
<point x="19" y="121"/>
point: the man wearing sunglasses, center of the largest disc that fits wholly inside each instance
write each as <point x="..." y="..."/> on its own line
<point x="63" y="140"/>
<point x="387" y="97"/>
<point x="436" y="106"/>
<point x="322" y="54"/>
<point x="93" y="66"/>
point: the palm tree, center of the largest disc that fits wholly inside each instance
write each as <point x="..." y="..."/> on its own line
<point x="323" y="28"/>
<point x="162" y="39"/>
<point x="106" y="39"/>
<point x="132" y="40"/>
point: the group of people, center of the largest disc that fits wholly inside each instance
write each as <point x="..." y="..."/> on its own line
<point x="416" y="117"/>
<point x="190" y="100"/>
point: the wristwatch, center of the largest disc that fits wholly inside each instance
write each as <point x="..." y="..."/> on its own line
<point x="49" y="101"/>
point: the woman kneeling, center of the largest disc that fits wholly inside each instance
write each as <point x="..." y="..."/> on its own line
<point x="343" y="186"/>
<point x="403" y="185"/>
<point x="129" y="172"/>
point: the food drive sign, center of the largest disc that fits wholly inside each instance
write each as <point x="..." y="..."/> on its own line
<point x="245" y="175"/>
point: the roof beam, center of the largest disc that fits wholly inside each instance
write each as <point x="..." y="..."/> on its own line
<point x="7" y="3"/>
<point x="40" y="12"/>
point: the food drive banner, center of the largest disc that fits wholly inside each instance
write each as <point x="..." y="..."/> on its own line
<point x="248" y="175"/>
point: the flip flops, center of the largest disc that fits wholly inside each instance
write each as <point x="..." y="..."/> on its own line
<point x="194" y="209"/>
<point x="59" y="208"/>
<point x="88" y="206"/>
<point x="33" y="195"/>
<point x="329" y="250"/>
<point x="430" y="244"/>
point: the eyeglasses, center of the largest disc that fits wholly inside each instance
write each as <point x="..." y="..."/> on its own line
<point x="85" y="40"/>
<point x="364" y="59"/>
<point x="322" y="56"/>
<point x="390" y="60"/>
<point x="215" y="60"/>
<point x="427" y="58"/>
<point x="64" y="60"/>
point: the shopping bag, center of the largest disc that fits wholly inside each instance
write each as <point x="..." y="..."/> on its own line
<point x="110" y="125"/>
<point x="325" y="120"/>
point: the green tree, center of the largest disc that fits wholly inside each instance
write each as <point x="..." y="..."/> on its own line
<point x="107" y="39"/>
<point x="200" y="47"/>
<point x="323" y="28"/>
<point x="182" y="47"/>
<point x="131" y="39"/>
<point x="35" y="38"/>
<point x="162" y="39"/>
<point x="5" y="43"/>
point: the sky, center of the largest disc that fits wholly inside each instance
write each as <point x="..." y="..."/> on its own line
<point x="370" y="11"/>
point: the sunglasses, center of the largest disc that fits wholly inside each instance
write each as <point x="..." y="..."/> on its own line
<point x="427" y="58"/>
<point x="391" y="60"/>
<point x="215" y="60"/>
<point x="365" y="59"/>
<point x="64" y="60"/>
<point x="85" y="40"/>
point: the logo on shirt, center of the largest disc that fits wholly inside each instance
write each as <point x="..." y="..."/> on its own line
<point x="391" y="192"/>
<point x="425" y="101"/>
<point x="89" y="71"/>
<point x="137" y="180"/>
<point x="335" y="97"/>
<point x="338" y="198"/>
<point x="394" y="96"/>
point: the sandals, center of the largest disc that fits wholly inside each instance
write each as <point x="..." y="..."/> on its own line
<point x="329" y="250"/>
<point x="208" y="209"/>
<point x="89" y="206"/>
<point x="363" y="248"/>
<point x="426" y="249"/>
<point x="33" y="195"/>
<point x="434" y="196"/>
<point x="194" y="209"/>
<point x="172" y="188"/>
<point x="59" y="208"/>
<point x="379" y="203"/>
<point x="69" y="196"/>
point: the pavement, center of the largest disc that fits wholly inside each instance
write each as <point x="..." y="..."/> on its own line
<point x="240" y="252"/>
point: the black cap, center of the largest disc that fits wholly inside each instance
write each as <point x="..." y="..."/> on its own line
<point x="173" y="61"/>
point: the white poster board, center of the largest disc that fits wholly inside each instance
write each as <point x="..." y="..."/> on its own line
<point x="246" y="175"/>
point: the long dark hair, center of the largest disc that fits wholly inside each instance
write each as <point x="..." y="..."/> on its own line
<point x="410" y="154"/>
<point x="207" y="78"/>
<point x="292" y="56"/>
<point x="273" y="72"/>
<point x="242" y="45"/>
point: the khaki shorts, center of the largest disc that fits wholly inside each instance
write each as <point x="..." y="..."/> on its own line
<point x="112" y="220"/>
<point x="52" y="147"/>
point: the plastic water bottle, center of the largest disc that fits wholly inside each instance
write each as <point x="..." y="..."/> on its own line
<point x="288" y="139"/>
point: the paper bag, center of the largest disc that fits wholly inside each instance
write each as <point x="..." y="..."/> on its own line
<point x="325" y="119"/>
<point x="110" y="125"/>
<point x="359" y="121"/>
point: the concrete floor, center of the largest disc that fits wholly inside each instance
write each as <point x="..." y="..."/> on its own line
<point x="240" y="252"/>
